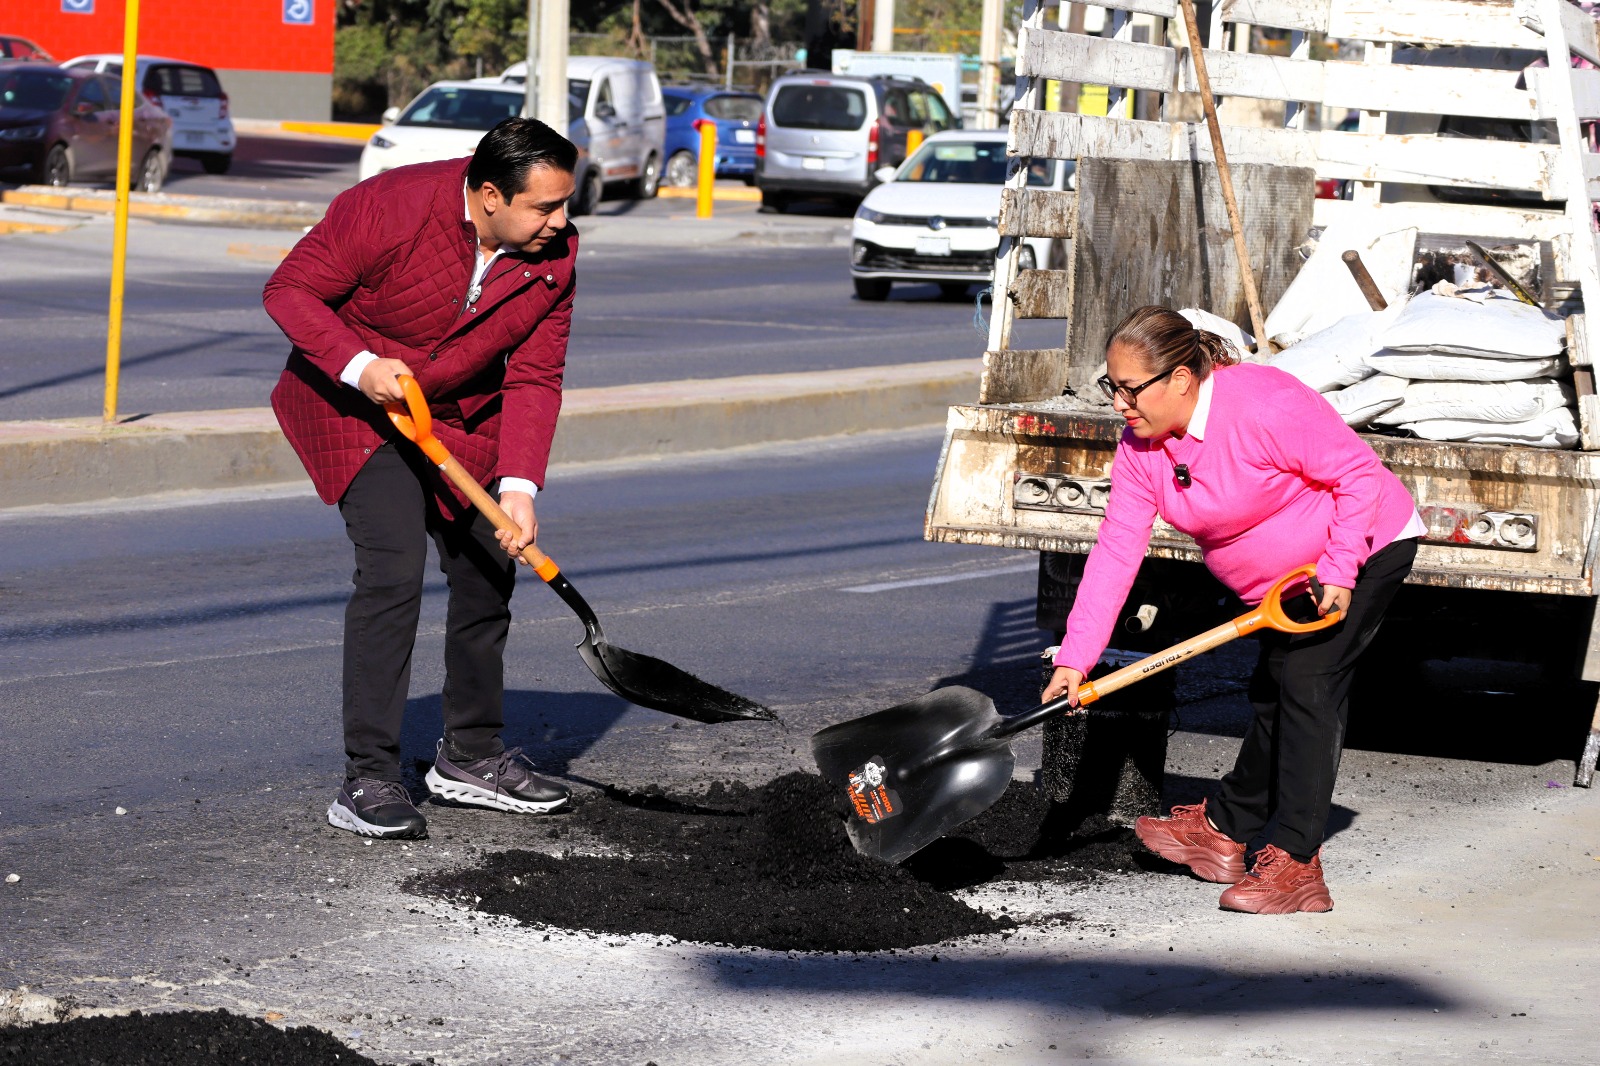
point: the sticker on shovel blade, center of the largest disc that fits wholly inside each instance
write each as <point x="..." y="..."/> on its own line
<point x="872" y="799"/>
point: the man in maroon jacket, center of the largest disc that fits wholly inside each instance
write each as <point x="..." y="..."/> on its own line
<point x="460" y="273"/>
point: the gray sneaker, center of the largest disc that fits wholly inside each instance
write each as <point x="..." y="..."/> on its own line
<point x="373" y="808"/>
<point x="505" y="782"/>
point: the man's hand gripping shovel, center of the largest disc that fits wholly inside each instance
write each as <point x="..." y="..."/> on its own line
<point x="913" y="773"/>
<point x="639" y="679"/>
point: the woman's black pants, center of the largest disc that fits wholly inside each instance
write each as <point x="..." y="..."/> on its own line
<point x="1301" y="691"/>
<point x="390" y="514"/>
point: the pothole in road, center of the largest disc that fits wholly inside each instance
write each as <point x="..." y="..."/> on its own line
<point x="771" y="867"/>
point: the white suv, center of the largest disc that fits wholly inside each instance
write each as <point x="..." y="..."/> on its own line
<point x="191" y="94"/>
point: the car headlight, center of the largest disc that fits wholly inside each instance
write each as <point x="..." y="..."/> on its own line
<point x="867" y="214"/>
<point x="23" y="133"/>
<point x="380" y="141"/>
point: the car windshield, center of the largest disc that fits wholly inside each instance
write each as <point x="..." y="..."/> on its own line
<point x="34" y="90"/>
<point x="735" y="108"/>
<point x="819" y="107"/>
<point x="970" y="163"/>
<point x="461" y="109"/>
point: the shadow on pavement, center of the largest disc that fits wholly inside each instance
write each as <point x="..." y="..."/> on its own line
<point x="554" y="729"/>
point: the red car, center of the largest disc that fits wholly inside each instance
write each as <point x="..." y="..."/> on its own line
<point x="58" y="127"/>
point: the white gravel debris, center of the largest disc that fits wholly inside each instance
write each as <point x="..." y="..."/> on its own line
<point x="12" y="879"/>
<point x="122" y="810"/>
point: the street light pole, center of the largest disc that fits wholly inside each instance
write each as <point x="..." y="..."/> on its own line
<point x="555" y="20"/>
<point x="530" y="85"/>
<point x="883" y="25"/>
<point x="989" y="65"/>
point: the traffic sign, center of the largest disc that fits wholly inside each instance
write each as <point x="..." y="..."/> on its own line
<point x="77" y="7"/>
<point x="295" y="12"/>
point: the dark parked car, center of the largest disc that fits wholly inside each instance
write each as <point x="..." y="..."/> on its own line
<point x="736" y="116"/>
<point x="58" y="127"/>
<point x="21" y="50"/>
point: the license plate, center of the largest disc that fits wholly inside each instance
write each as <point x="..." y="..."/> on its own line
<point x="744" y="136"/>
<point x="813" y="162"/>
<point x="933" y="246"/>
<point x="193" y="138"/>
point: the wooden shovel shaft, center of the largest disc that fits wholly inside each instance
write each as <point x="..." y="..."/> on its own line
<point x="1364" y="282"/>
<point x="1090" y="691"/>
<point x="542" y="564"/>
<point x="1258" y="322"/>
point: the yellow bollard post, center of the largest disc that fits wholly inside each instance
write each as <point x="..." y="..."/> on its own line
<point x="913" y="142"/>
<point x="119" y="238"/>
<point x="708" y="166"/>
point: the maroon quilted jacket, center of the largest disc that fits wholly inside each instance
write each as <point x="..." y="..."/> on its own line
<point x="386" y="271"/>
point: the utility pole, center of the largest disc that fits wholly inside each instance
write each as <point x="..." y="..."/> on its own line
<point x="549" y="22"/>
<point x="882" y="25"/>
<point x="989" y="65"/>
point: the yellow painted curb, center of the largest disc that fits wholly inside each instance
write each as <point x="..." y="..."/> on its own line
<point x="268" y="252"/>
<point x="7" y="226"/>
<point x="271" y="214"/>
<point x="54" y="200"/>
<point x="355" y="131"/>
<point x="743" y="192"/>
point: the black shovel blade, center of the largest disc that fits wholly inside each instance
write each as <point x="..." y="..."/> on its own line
<point x="660" y="686"/>
<point x="914" y="772"/>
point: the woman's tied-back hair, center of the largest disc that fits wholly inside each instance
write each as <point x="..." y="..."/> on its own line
<point x="1166" y="340"/>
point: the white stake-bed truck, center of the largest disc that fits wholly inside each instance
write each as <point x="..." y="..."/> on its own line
<point x="1453" y="141"/>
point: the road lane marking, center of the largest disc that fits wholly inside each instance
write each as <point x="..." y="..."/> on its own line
<point x="943" y="579"/>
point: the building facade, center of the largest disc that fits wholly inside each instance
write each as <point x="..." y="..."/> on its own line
<point x="274" y="57"/>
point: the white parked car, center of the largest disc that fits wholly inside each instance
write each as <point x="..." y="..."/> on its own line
<point x="445" y="121"/>
<point x="937" y="218"/>
<point x="202" y="129"/>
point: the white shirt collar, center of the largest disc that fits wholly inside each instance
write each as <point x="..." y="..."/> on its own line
<point x="1202" y="409"/>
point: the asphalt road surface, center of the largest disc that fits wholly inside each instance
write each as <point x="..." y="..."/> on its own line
<point x="169" y="673"/>
<point x="195" y="336"/>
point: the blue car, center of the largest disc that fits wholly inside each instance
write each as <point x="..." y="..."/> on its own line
<point x="736" y="115"/>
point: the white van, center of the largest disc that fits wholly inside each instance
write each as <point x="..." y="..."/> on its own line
<point x="618" y="121"/>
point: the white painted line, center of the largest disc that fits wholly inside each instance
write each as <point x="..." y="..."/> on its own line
<point x="944" y="579"/>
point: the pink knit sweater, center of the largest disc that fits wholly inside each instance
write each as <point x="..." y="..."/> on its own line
<point x="1277" y="481"/>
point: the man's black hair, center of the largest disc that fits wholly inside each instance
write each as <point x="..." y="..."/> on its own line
<point x="512" y="148"/>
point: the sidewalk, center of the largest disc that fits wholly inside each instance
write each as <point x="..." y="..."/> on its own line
<point x="82" y="459"/>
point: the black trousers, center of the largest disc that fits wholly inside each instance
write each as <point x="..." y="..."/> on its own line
<point x="1301" y="691"/>
<point x="390" y="515"/>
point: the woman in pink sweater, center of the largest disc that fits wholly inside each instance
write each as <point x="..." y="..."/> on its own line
<point x="1265" y="477"/>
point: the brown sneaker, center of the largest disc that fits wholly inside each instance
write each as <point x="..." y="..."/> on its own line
<point x="1279" y="885"/>
<point x="1184" y="836"/>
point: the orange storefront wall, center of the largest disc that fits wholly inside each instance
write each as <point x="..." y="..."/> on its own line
<point x="225" y="34"/>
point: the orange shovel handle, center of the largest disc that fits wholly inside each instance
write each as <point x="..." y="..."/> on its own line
<point x="1268" y="614"/>
<point x="413" y="419"/>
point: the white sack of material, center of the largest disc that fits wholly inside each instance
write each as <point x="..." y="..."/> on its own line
<point x="1478" y="401"/>
<point x="1553" y="429"/>
<point x="1206" y="321"/>
<point x="1323" y="292"/>
<point x="1495" y="329"/>
<point x="1365" y="400"/>
<point x="1443" y="366"/>
<point x="1337" y="356"/>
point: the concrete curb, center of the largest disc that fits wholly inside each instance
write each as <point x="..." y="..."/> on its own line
<point x="740" y="192"/>
<point x="80" y="459"/>
<point x="256" y="214"/>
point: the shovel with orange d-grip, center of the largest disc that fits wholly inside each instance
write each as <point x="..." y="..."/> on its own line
<point x="914" y="772"/>
<point x="639" y="679"/>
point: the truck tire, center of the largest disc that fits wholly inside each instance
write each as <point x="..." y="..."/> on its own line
<point x="649" y="181"/>
<point x="587" y="196"/>
<point x="873" y="290"/>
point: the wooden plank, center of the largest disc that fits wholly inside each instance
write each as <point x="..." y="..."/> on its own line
<point x="1037" y="213"/>
<point x="1023" y="374"/>
<point x="1157" y="233"/>
<point x="1486" y="23"/>
<point x="1585" y="92"/>
<point x="1485" y="220"/>
<point x="1041" y="294"/>
<point x="1417" y="160"/>
<point x="1160" y="8"/>
<point x="1311" y="15"/>
<point x="1578" y="353"/>
<point x="1063" y="56"/>
<point x="1583" y="36"/>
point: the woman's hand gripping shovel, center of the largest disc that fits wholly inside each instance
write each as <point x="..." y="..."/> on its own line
<point x="639" y="679"/>
<point x="915" y="772"/>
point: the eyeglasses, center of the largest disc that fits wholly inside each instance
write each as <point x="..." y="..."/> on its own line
<point x="1129" y="394"/>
